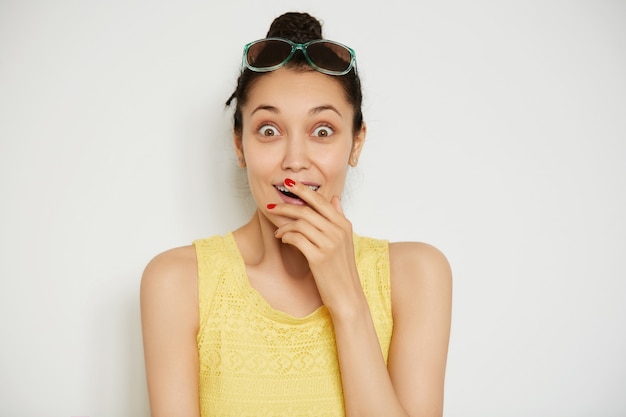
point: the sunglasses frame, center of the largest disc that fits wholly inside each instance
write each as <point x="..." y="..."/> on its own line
<point x="298" y="47"/>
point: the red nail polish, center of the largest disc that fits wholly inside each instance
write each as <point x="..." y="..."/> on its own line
<point x="271" y="206"/>
<point x="289" y="182"/>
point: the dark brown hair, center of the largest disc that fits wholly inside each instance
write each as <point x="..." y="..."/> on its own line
<point x="299" y="28"/>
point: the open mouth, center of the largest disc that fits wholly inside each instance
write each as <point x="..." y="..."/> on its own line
<point x="283" y="189"/>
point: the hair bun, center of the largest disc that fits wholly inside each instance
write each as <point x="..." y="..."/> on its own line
<point x="297" y="27"/>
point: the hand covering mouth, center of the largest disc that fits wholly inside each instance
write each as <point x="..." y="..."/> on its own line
<point x="283" y="189"/>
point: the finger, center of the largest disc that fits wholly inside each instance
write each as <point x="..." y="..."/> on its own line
<point x="301" y="243"/>
<point x="312" y="198"/>
<point x="336" y="203"/>
<point x="338" y="226"/>
<point x="303" y="229"/>
<point x="303" y="213"/>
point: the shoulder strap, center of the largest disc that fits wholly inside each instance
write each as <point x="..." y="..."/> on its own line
<point x="210" y="254"/>
<point x="372" y="258"/>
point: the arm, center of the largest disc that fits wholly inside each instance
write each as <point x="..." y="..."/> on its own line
<point x="421" y="293"/>
<point x="411" y="385"/>
<point x="169" y="317"/>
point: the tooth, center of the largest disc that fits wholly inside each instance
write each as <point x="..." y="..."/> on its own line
<point x="285" y="189"/>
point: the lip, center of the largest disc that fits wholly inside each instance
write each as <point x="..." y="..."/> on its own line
<point x="313" y="184"/>
<point x="290" y="200"/>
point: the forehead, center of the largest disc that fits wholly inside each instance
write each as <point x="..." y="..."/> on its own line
<point x="293" y="90"/>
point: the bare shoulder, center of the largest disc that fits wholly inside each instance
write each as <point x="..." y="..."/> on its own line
<point x="420" y="258"/>
<point x="418" y="270"/>
<point x="421" y="298"/>
<point x="169" y="321"/>
<point x="174" y="271"/>
<point x="177" y="262"/>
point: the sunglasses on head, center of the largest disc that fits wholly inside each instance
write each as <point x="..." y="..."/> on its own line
<point x="325" y="56"/>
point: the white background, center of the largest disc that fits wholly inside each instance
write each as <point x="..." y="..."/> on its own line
<point x="497" y="132"/>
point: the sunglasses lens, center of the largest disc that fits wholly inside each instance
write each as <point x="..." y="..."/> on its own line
<point x="268" y="53"/>
<point x="330" y="56"/>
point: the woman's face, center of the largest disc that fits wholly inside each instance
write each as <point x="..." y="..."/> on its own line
<point x="296" y="125"/>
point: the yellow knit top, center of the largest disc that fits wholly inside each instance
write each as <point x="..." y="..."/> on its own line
<point x="258" y="361"/>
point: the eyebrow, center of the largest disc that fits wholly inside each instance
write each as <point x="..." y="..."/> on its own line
<point x="312" y="112"/>
<point x="319" y="109"/>
<point x="265" y="107"/>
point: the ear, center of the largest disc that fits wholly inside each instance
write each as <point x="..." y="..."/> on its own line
<point x="357" y="145"/>
<point x="238" y="145"/>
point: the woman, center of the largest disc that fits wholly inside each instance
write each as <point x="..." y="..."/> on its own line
<point x="293" y="314"/>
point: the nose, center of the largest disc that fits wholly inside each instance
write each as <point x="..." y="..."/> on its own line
<point x="296" y="154"/>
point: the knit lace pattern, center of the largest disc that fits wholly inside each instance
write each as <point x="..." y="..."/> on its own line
<point x="257" y="361"/>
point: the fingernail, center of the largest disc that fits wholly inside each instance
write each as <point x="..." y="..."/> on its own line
<point x="289" y="182"/>
<point x="271" y="206"/>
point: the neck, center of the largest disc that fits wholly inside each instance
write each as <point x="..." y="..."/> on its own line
<point x="260" y="248"/>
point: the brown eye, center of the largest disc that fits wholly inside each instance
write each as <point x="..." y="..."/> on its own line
<point x="323" y="132"/>
<point x="268" y="131"/>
